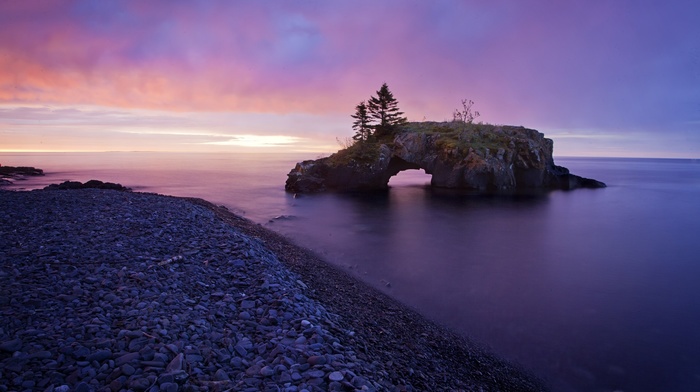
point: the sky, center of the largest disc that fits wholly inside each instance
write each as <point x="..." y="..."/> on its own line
<point x="601" y="78"/>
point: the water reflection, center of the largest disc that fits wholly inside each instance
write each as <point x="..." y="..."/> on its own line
<point x="574" y="285"/>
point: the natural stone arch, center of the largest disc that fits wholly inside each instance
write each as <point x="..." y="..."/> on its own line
<point x="490" y="160"/>
<point x="397" y="165"/>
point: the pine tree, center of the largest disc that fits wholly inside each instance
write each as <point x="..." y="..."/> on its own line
<point x="361" y="125"/>
<point x="384" y="108"/>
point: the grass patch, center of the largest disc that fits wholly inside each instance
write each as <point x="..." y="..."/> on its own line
<point x="458" y="137"/>
<point x="360" y="152"/>
<point x="454" y="138"/>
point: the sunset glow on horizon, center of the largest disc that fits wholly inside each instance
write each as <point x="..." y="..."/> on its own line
<point x="600" y="78"/>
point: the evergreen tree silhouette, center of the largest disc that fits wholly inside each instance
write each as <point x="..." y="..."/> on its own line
<point x="361" y="125"/>
<point x="384" y="108"/>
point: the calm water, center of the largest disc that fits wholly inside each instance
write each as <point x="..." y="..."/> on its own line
<point x="593" y="290"/>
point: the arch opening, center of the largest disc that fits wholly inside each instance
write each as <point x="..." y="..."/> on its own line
<point x="410" y="177"/>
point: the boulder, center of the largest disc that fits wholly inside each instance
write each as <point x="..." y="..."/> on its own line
<point x="92" y="184"/>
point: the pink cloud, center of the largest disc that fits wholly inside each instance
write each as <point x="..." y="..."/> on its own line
<point x="528" y="63"/>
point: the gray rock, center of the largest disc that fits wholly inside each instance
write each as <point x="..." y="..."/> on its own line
<point x="221" y="375"/>
<point x="81" y="352"/>
<point x="116" y="385"/>
<point x="176" y="363"/>
<point x="41" y="354"/>
<point x="267" y="371"/>
<point x="169" y="387"/>
<point x="316" y="360"/>
<point x="127" y="369"/>
<point x="315" y="373"/>
<point x="139" y="384"/>
<point x="126" y="358"/>
<point x="336" y="376"/>
<point x="82" y="387"/>
<point x="100" y="355"/>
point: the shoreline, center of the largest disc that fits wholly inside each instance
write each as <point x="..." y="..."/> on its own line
<point x="395" y="345"/>
<point x="452" y="355"/>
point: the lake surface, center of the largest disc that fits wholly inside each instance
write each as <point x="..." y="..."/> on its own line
<point x="592" y="290"/>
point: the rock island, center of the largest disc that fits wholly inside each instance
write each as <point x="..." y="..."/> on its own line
<point x="479" y="157"/>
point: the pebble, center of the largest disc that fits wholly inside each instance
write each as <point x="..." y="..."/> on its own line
<point x="315" y="373"/>
<point x="176" y="363"/>
<point x="128" y="357"/>
<point x="169" y="387"/>
<point x="267" y="371"/>
<point x="336" y="376"/>
<point x="11" y="345"/>
<point x="139" y="384"/>
<point x="127" y="369"/>
<point x="99" y="356"/>
<point x="171" y="276"/>
<point x="221" y="375"/>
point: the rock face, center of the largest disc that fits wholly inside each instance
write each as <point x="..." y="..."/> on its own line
<point x="482" y="158"/>
<point x="8" y="174"/>
<point x="92" y="184"/>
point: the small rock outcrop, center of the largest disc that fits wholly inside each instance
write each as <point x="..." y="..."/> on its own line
<point x="484" y="158"/>
<point x="8" y="174"/>
<point x="92" y="184"/>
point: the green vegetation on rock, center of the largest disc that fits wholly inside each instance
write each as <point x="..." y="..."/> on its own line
<point x="360" y="153"/>
<point x="452" y="137"/>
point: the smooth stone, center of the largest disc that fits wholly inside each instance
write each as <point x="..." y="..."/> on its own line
<point x="82" y="387"/>
<point x="11" y="345"/>
<point x="221" y="375"/>
<point x="110" y="297"/>
<point x="157" y="364"/>
<point x="285" y="377"/>
<point x="116" y="385"/>
<point x="240" y="350"/>
<point x="336" y="376"/>
<point x="81" y="352"/>
<point x="316" y="360"/>
<point x="169" y="387"/>
<point x="41" y="355"/>
<point x="267" y="371"/>
<point x="126" y="358"/>
<point x="127" y="369"/>
<point x="166" y="378"/>
<point x="139" y="384"/>
<point x="100" y="355"/>
<point x="315" y="373"/>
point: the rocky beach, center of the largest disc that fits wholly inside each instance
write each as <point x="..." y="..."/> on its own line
<point x="105" y="290"/>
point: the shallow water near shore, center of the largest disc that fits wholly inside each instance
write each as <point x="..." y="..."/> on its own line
<point x="592" y="290"/>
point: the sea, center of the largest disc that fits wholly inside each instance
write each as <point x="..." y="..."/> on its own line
<point x="590" y="290"/>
